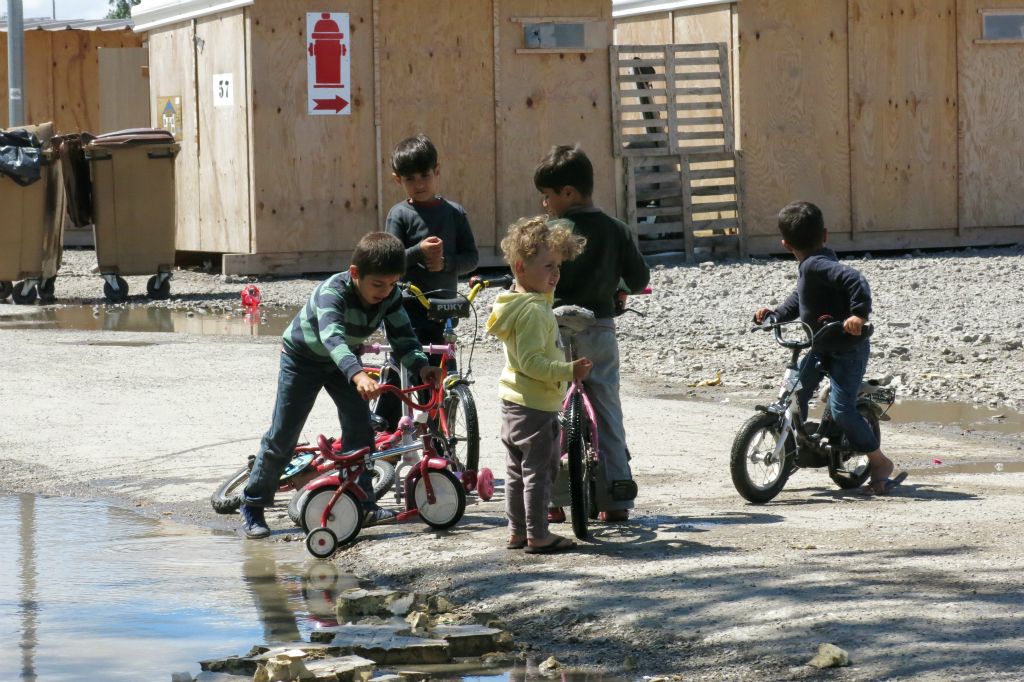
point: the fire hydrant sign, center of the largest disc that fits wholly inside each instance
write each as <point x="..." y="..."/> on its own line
<point x="329" y="86"/>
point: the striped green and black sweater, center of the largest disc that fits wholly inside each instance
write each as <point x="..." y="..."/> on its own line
<point x="334" y="322"/>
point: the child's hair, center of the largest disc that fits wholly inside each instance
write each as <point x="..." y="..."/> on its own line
<point x="416" y="154"/>
<point x="802" y="225"/>
<point x="379" y="253"/>
<point x="563" y="166"/>
<point x="527" y="236"/>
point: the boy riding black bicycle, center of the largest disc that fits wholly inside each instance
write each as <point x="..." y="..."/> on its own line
<point x="829" y="290"/>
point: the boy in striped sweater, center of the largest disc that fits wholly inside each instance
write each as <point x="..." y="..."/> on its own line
<point x="319" y="352"/>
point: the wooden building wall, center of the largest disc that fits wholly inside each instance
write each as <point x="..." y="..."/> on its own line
<point x="551" y="98"/>
<point x="991" y="117"/>
<point x="890" y="114"/>
<point x="62" y="76"/>
<point x="794" y="111"/>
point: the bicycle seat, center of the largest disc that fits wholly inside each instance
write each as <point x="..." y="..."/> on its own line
<point x="573" y="318"/>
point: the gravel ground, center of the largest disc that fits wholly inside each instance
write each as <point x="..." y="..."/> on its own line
<point x="949" y="325"/>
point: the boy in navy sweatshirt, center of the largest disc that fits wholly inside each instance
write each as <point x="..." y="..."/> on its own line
<point x="827" y="288"/>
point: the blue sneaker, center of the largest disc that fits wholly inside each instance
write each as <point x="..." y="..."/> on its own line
<point x="253" y="523"/>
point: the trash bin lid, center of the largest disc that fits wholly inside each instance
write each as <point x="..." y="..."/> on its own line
<point x="133" y="136"/>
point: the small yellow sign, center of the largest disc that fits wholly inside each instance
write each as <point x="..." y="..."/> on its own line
<point x="169" y="114"/>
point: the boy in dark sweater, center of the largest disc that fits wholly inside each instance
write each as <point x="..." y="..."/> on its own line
<point x="439" y="244"/>
<point x="825" y="289"/>
<point x="565" y="177"/>
<point x="319" y="351"/>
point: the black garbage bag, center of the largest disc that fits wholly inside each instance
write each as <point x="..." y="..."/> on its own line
<point x="20" y="156"/>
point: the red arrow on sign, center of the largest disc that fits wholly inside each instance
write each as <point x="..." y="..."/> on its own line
<point x="337" y="104"/>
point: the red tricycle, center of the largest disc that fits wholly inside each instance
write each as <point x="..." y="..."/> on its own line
<point x="332" y="505"/>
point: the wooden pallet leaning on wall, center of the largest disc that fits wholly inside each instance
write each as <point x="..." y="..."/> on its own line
<point x="684" y="202"/>
<point x="673" y="102"/>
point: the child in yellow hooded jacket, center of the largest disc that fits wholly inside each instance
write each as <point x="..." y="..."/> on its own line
<point x="534" y="379"/>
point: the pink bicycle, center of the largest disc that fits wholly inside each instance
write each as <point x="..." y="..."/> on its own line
<point x="579" y="442"/>
<point x="332" y="506"/>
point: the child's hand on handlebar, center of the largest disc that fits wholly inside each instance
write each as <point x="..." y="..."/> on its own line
<point x="581" y="369"/>
<point x="854" y="325"/>
<point x="761" y="314"/>
<point x="430" y="375"/>
<point x="368" y="388"/>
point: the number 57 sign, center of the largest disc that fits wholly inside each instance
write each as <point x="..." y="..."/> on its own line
<point x="328" y="81"/>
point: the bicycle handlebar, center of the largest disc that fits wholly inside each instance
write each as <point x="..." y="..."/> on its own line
<point x="810" y="336"/>
<point x="442" y="349"/>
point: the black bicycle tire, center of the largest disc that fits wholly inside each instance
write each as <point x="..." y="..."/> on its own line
<point x="225" y="500"/>
<point x="738" y="460"/>
<point x="579" y="485"/>
<point x="459" y="396"/>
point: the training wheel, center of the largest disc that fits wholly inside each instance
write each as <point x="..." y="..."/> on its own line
<point x="322" y="576"/>
<point x="321" y="542"/>
<point x="485" y="484"/>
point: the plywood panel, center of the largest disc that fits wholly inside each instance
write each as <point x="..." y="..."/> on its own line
<point x="991" y="78"/>
<point x="646" y="29"/>
<point x="437" y="78"/>
<point x="76" y="90"/>
<point x="314" y="177"/>
<point x="711" y="24"/>
<point x="172" y="74"/>
<point x="903" y="117"/>
<point x="224" y="215"/>
<point x="124" y="88"/>
<point x="38" y="78"/>
<point x="546" y="99"/>
<point x="793" y="72"/>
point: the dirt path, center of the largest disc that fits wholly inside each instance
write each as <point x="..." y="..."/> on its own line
<point x="923" y="585"/>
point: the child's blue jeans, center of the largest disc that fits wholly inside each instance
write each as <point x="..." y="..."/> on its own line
<point x="846" y="372"/>
<point x="298" y="384"/>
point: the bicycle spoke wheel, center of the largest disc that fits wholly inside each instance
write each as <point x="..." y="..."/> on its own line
<point x="462" y="426"/>
<point x="756" y="472"/>
<point x="579" y="467"/>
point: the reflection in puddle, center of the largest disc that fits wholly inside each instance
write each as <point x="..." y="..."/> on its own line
<point x="89" y="591"/>
<point x="262" y="322"/>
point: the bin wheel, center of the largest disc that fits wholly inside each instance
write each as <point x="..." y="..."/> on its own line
<point x="5" y="289"/>
<point x="23" y="295"/>
<point x="46" y="290"/>
<point x="158" y="293"/>
<point x="119" y="296"/>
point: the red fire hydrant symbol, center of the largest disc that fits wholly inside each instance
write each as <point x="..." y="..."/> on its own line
<point x="327" y="51"/>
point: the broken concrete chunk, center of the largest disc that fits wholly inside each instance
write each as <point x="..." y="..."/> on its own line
<point x="489" y="619"/>
<point x="829" y="656"/>
<point x="419" y="623"/>
<point x="384" y="644"/>
<point x="181" y="677"/>
<point x="357" y="603"/>
<point x="468" y="640"/>
<point x="497" y="658"/>
<point x="342" y="669"/>
<point x="283" y="668"/>
<point x="549" y="665"/>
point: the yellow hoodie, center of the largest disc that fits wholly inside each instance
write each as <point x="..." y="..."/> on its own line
<point x="536" y="373"/>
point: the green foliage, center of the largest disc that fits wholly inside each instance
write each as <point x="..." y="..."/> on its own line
<point x="121" y="9"/>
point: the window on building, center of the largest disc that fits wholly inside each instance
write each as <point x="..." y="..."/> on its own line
<point x="1002" y="25"/>
<point x="541" y="36"/>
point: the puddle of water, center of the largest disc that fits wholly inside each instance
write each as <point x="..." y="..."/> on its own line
<point x="973" y="468"/>
<point x="520" y="673"/>
<point x="965" y="416"/>
<point x="89" y="591"/>
<point x="265" y="322"/>
<point x="962" y="415"/>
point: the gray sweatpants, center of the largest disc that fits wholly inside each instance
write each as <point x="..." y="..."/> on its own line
<point x="599" y="345"/>
<point x="531" y="445"/>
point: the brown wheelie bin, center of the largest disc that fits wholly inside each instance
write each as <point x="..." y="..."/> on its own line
<point x="31" y="217"/>
<point x="132" y="175"/>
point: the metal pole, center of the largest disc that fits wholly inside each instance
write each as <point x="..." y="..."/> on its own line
<point x="15" y="64"/>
